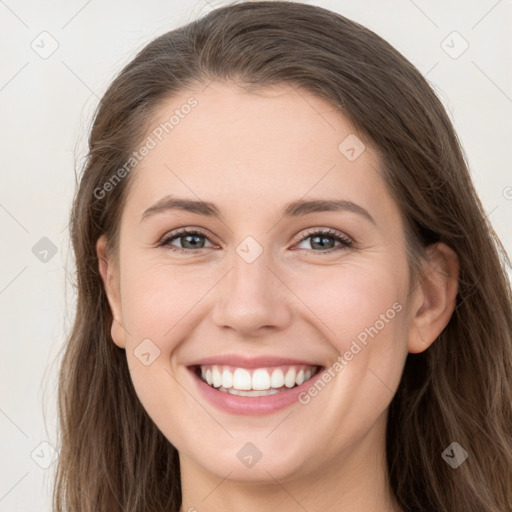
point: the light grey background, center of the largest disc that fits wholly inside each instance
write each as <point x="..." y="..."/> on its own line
<point x="46" y="102"/>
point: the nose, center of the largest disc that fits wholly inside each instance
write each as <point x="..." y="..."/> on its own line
<point x="252" y="299"/>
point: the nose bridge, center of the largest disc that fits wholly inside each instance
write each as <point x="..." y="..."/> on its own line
<point x="250" y="274"/>
<point x="251" y="295"/>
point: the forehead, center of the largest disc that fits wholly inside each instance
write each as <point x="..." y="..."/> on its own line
<point x="259" y="148"/>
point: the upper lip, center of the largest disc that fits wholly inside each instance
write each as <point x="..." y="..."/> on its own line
<point x="250" y="362"/>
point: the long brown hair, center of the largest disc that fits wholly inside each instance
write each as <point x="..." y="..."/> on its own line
<point x="112" y="456"/>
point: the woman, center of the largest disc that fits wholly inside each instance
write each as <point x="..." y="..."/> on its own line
<point x="289" y="296"/>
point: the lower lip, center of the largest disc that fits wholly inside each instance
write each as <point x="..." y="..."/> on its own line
<point x="252" y="406"/>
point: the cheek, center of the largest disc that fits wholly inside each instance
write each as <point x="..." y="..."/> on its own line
<point x="362" y="311"/>
<point x="352" y="301"/>
<point x="158" y="310"/>
<point x="157" y="300"/>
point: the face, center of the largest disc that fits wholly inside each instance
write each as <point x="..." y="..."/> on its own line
<point x="262" y="288"/>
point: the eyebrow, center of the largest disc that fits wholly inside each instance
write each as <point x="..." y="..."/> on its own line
<point x="296" y="208"/>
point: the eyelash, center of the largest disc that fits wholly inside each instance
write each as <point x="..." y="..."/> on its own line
<point x="346" y="242"/>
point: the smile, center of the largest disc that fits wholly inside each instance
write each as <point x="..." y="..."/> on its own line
<point x="255" y="381"/>
<point x="252" y="385"/>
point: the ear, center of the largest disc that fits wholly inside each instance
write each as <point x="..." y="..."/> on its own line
<point x="109" y="276"/>
<point x="434" y="297"/>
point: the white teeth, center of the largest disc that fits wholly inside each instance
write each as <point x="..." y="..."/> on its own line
<point x="277" y="380"/>
<point x="227" y="379"/>
<point x="242" y="379"/>
<point x="217" y="379"/>
<point x="260" y="380"/>
<point x="257" y="382"/>
<point x="289" y="380"/>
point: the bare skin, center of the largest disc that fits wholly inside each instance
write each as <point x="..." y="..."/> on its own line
<point x="251" y="154"/>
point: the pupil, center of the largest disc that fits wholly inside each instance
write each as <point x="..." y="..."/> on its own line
<point x="193" y="244"/>
<point x="322" y="244"/>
